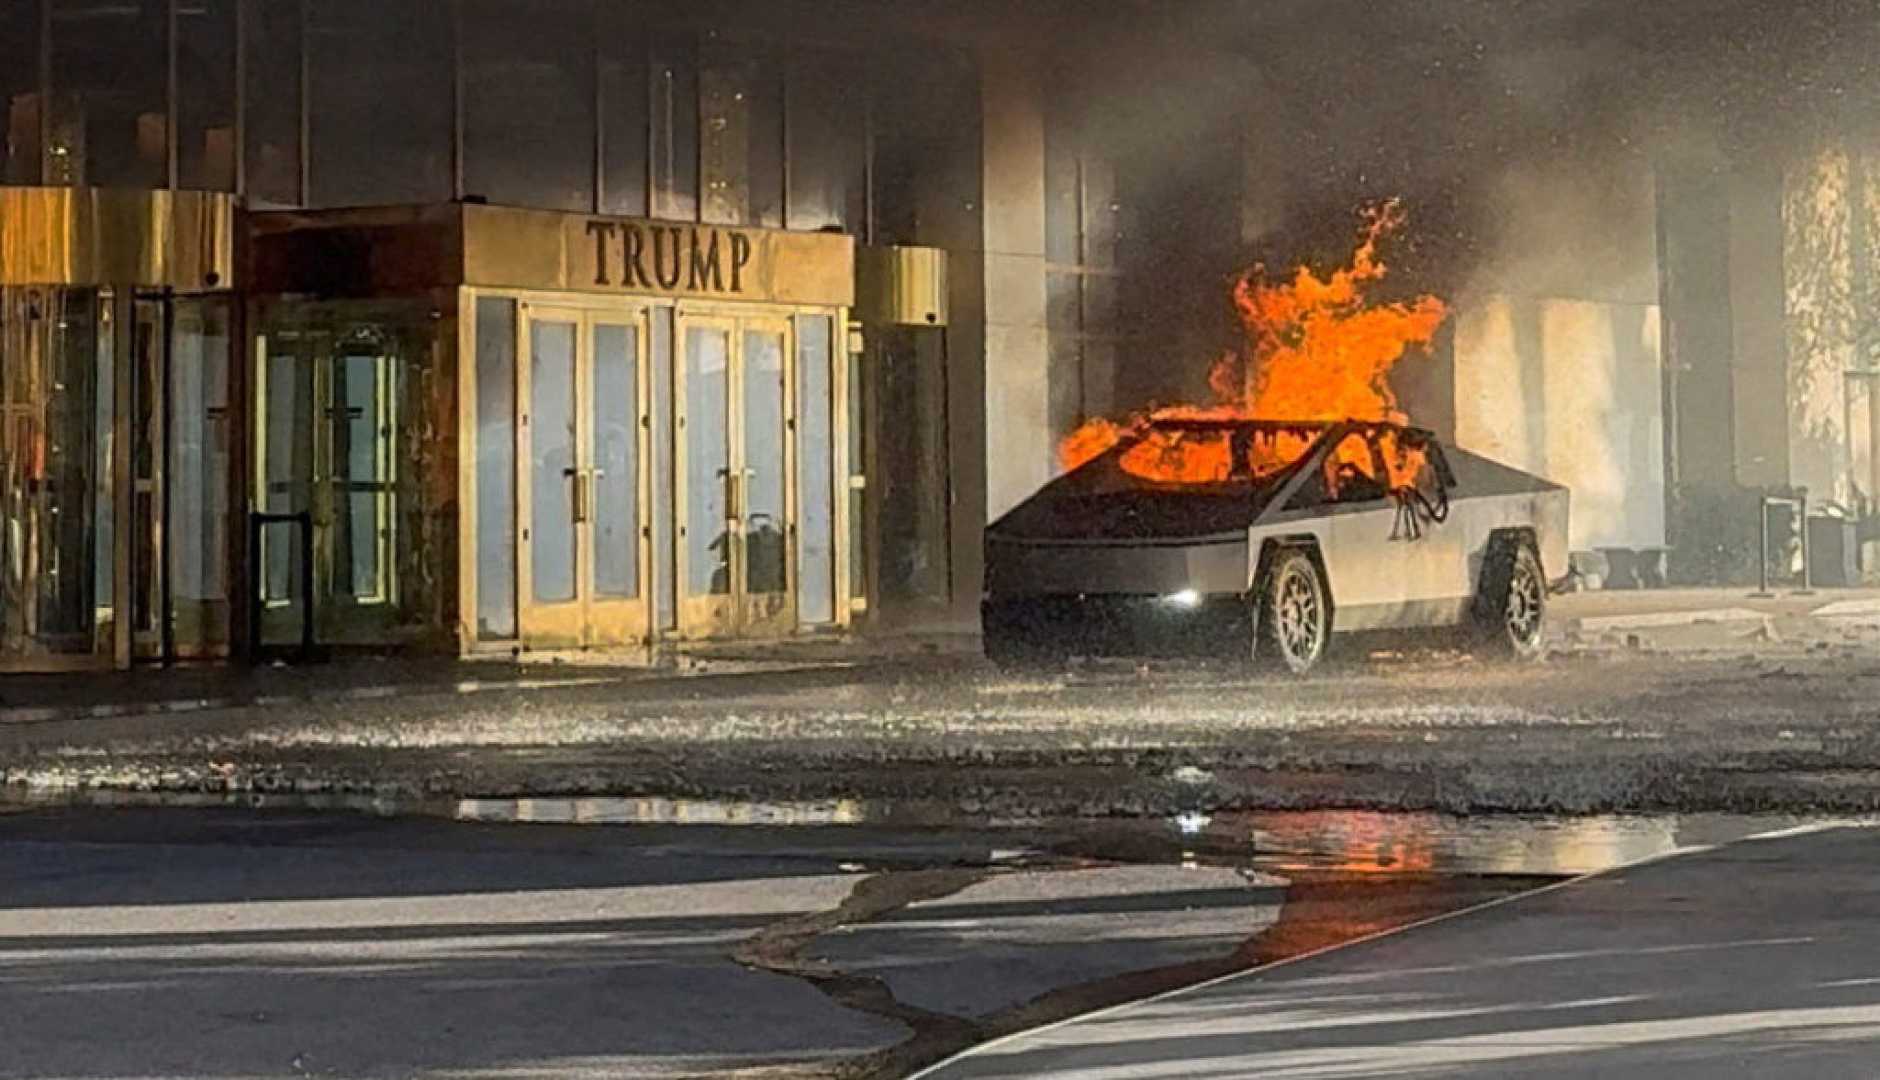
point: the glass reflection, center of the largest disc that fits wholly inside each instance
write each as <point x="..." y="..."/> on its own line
<point x="708" y="461"/>
<point x="765" y="566"/>
<point x="816" y="555"/>
<point x="616" y="461"/>
<point x="552" y="434"/>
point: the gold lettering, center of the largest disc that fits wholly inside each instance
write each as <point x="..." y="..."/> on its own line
<point x="661" y="249"/>
<point x="740" y="255"/>
<point x="600" y="231"/>
<point x="633" y="259"/>
<point x="706" y="272"/>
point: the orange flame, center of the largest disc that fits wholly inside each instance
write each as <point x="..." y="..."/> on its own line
<point x="1315" y="350"/>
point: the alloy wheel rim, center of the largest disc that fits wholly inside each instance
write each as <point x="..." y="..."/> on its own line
<point x="1298" y="615"/>
<point x="1524" y="605"/>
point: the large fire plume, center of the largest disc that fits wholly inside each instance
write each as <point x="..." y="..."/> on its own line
<point x="1314" y="350"/>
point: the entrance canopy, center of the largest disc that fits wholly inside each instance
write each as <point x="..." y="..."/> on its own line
<point x="382" y="250"/>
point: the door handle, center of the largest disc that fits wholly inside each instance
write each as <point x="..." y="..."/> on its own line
<point x="582" y="493"/>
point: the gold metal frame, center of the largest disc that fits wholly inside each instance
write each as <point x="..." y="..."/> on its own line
<point x="706" y="619"/>
<point x="740" y="613"/>
<point x="588" y="619"/>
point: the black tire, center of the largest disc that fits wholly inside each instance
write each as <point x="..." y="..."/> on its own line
<point x="1295" y="612"/>
<point x="1511" y="611"/>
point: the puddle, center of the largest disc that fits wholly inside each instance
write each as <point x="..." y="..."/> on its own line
<point x="1401" y="843"/>
<point x="1362" y="842"/>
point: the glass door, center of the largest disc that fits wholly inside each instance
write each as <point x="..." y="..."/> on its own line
<point x="582" y="438"/>
<point x="327" y="449"/>
<point x="735" y="471"/>
<point x="57" y="402"/>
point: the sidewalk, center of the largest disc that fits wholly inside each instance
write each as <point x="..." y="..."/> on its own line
<point x="187" y="688"/>
<point x="1751" y="960"/>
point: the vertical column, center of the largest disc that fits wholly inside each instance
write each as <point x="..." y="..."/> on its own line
<point x="1019" y="452"/>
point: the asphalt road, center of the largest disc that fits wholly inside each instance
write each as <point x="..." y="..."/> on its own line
<point x="1756" y="959"/>
<point x="159" y="944"/>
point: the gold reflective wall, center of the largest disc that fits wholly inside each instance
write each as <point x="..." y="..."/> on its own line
<point x="183" y="240"/>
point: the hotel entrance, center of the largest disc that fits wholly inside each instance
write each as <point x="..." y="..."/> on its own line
<point x="518" y="430"/>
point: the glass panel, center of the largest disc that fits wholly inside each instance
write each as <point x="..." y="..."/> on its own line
<point x="65" y="462"/>
<point x="147" y="439"/>
<point x="104" y="498"/>
<point x="381" y="102"/>
<point x="273" y="106"/>
<point x="551" y="473"/>
<point x="665" y="573"/>
<point x="624" y="98"/>
<point x="496" y="467"/>
<point x="675" y="127"/>
<point x="828" y="147"/>
<point x="529" y="103"/>
<point x="48" y="482"/>
<point x="205" y="94"/>
<point x="707" y="461"/>
<point x="815" y="480"/>
<point x="199" y="472"/>
<point x="764" y="489"/>
<point x="287" y="465"/>
<point x="110" y="112"/>
<point x="741" y="140"/>
<point x="19" y="94"/>
<point x="616" y="461"/>
<point x="361" y="460"/>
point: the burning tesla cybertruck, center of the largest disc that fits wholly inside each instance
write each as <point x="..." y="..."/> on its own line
<point x="1270" y="539"/>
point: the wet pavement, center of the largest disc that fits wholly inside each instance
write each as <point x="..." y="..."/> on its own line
<point x="289" y="942"/>
<point x="1751" y="959"/>
<point x="1775" y="727"/>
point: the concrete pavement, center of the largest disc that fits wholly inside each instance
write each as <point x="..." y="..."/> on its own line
<point x="1757" y="959"/>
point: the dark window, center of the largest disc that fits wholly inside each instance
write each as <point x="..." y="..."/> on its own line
<point x="205" y="94"/>
<point x="1351" y="472"/>
<point x="740" y="137"/>
<point x="926" y="150"/>
<point x="674" y="92"/>
<point x="19" y="93"/>
<point x="529" y="103"/>
<point x="110" y="112"/>
<point x="623" y="113"/>
<point x="381" y="102"/>
<point x="1081" y="236"/>
<point x="273" y="106"/>
<point x="828" y="130"/>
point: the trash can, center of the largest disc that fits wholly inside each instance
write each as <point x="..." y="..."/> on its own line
<point x="1833" y="551"/>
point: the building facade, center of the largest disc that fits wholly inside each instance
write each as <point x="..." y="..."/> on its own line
<point x="477" y="326"/>
<point x="492" y="325"/>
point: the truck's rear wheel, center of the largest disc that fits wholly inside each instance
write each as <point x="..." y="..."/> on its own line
<point x="1511" y="611"/>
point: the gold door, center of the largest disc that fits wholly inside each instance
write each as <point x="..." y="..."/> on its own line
<point x="734" y="462"/>
<point x="582" y="436"/>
